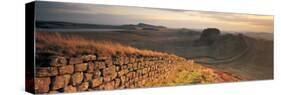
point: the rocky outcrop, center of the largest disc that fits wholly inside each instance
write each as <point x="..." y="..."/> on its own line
<point x="220" y="48"/>
<point x="208" y="36"/>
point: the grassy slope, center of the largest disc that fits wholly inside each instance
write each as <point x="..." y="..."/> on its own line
<point x="187" y="73"/>
<point x="73" y="45"/>
<point x="257" y="64"/>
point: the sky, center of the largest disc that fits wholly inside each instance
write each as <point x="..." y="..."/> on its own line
<point x="120" y="15"/>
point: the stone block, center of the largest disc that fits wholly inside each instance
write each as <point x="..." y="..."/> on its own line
<point x="41" y="85"/>
<point x="46" y="71"/>
<point x="96" y="74"/>
<point x="96" y="82"/>
<point x="99" y="65"/>
<point x="80" y="67"/>
<point x="69" y="88"/>
<point x="75" y="60"/>
<point x="68" y="69"/>
<point x="106" y="78"/>
<point x="122" y="72"/>
<point x="57" y="61"/>
<point x="102" y="58"/>
<point x="60" y="82"/>
<point x="83" y="87"/>
<point x="109" y="85"/>
<point x="109" y="71"/>
<point x="88" y="77"/>
<point x="117" y="83"/>
<point x="77" y="78"/>
<point x="91" y="68"/>
<point x="87" y="58"/>
<point x="108" y="62"/>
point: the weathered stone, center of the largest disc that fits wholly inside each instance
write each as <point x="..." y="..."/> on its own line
<point x="132" y="60"/>
<point x="83" y="87"/>
<point x="126" y="60"/>
<point x="88" y="77"/>
<point x="122" y="72"/>
<point x="109" y="85"/>
<point x="109" y="71"/>
<point x="96" y="74"/>
<point x="108" y="62"/>
<point x="107" y="78"/>
<point x="123" y="79"/>
<point x="46" y="71"/>
<point x="100" y="87"/>
<point x="127" y="85"/>
<point x="117" y="83"/>
<point x="130" y="75"/>
<point x="91" y="68"/>
<point x="42" y="85"/>
<point x="88" y="58"/>
<point x="117" y="68"/>
<point x="139" y="59"/>
<point x="96" y="82"/>
<point x="102" y="58"/>
<point x="124" y="67"/>
<point x="70" y="88"/>
<point x="77" y="78"/>
<point x="114" y="75"/>
<point x="117" y="60"/>
<point x="75" y="60"/>
<point x="68" y="69"/>
<point x="57" y="61"/>
<point x="135" y="66"/>
<point x="130" y="65"/>
<point x="81" y="67"/>
<point x="99" y="65"/>
<point x="60" y="82"/>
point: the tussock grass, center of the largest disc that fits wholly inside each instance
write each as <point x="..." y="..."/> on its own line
<point x="75" y="45"/>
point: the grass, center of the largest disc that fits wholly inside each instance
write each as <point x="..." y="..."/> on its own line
<point x="188" y="73"/>
<point x="186" y="77"/>
<point x="75" y="45"/>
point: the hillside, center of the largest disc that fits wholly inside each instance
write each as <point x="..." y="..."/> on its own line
<point x="71" y="63"/>
<point x="256" y="63"/>
<point x="247" y="56"/>
<point x="72" y="25"/>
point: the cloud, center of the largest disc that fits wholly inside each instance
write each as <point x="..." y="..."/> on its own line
<point x="103" y="14"/>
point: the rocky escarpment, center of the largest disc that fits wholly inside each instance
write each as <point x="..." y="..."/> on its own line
<point x="208" y="37"/>
<point x="219" y="48"/>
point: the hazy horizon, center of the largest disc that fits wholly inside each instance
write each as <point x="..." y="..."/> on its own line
<point x="120" y="15"/>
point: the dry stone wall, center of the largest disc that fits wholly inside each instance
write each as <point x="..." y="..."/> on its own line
<point x="92" y="72"/>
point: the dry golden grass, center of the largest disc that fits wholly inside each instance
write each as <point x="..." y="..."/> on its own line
<point x="75" y="45"/>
